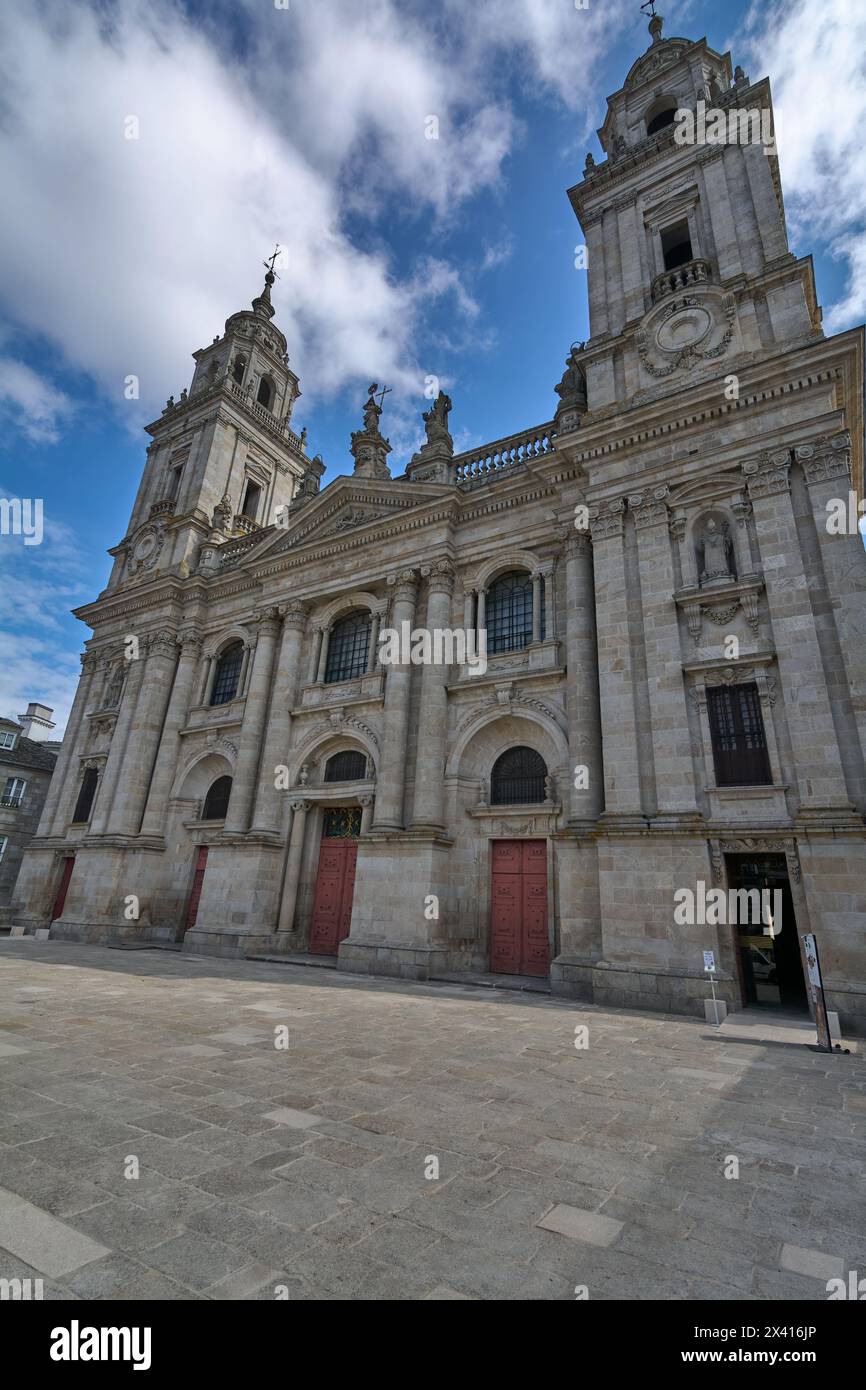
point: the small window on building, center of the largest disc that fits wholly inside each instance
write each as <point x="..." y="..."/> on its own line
<point x="348" y="647"/>
<point x="13" y="792"/>
<point x="676" y="245"/>
<point x="518" y="778"/>
<point x="252" y="497"/>
<point x="174" y="482"/>
<point x="349" y="766"/>
<point x="266" y="392"/>
<point x="662" y="119"/>
<point x="238" y="368"/>
<point x="7" y="740"/>
<point x="216" y="803"/>
<point x="227" y="674"/>
<point x="737" y="731"/>
<point x="86" y="793"/>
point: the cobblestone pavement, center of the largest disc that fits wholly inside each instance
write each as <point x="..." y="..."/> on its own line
<point x="303" y="1168"/>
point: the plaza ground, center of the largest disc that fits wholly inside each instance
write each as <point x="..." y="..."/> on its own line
<point x="303" y="1168"/>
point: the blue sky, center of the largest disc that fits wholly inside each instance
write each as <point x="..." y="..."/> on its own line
<point x="407" y="257"/>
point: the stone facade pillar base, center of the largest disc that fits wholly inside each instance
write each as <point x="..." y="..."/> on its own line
<point x="662" y="991"/>
<point x="395" y="959"/>
<point x="571" y="978"/>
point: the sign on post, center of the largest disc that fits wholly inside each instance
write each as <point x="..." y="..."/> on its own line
<point x="816" y="991"/>
<point x="709" y="962"/>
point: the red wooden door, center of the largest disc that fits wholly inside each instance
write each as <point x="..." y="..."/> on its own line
<point x="518" y="913"/>
<point x="335" y="887"/>
<point x="60" y="900"/>
<point x="197" y="881"/>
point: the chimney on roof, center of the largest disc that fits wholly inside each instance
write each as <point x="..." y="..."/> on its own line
<point x="37" y="722"/>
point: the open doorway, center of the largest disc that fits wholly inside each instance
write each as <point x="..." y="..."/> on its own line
<point x="769" y="961"/>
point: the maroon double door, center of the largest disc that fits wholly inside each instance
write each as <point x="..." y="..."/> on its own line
<point x="518" y="912"/>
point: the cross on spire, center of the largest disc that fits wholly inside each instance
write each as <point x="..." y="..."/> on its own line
<point x="271" y="262"/>
<point x="385" y="391"/>
<point x="650" y="6"/>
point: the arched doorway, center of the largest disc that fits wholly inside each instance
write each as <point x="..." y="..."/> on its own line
<point x="335" y="879"/>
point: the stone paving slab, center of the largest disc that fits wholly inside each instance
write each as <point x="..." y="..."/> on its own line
<point x="412" y="1142"/>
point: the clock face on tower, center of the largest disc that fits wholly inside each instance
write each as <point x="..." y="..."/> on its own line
<point x="145" y="549"/>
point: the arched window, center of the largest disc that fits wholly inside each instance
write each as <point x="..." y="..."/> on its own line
<point x="348" y="766"/>
<point x="216" y="803"/>
<point x="86" y="793"/>
<point x="348" y="647"/>
<point x="266" y="392"/>
<point x="238" y="368"/>
<point x="662" y="119"/>
<point x="508" y="615"/>
<point x="518" y="778"/>
<point x="227" y="674"/>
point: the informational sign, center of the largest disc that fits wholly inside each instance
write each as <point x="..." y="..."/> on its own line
<point x="816" y="991"/>
<point x="710" y="962"/>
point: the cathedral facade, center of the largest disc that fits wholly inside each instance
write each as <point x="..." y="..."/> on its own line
<point x="651" y="678"/>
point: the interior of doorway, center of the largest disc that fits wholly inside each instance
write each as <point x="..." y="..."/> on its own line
<point x="769" y="962"/>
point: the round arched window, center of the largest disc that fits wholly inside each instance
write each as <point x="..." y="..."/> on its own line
<point x="348" y="647"/>
<point x="348" y="766"/>
<point x="662" y="119"/>
<point x="266" y="392"/>
<point x="508" y="614"/>
<point x="227" y="674"/>
<point x="518" y="778"/>
<point x="216" y="803"/>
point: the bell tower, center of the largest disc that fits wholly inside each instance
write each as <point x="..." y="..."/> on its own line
<point x="690" y="272"/>
<point x="224" y="461"/>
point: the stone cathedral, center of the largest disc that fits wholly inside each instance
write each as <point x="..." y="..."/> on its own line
<point x="674" y="691"/>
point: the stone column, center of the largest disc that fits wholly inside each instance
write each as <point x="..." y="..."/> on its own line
<point x="817" y="761"/>
<point x="373" y="654"/>
<point x="721" y="209"/>
<point x="108" y="785"/>
<point x="392" y="772"/>
<point x="293" y="867"/>
<point x="598" y="319"/>
<point x="537" y="591"/>
<point x="323" y="655"/>
<point x="366" y="813"/>
<point x="144" y="735"/>
<point x="675" y="770"/>
<point x="255" y="709"/>
<point x="66" y="766"/>
<point x="481" y="610"/>
<point x="469" y="611"/>
<point x="826" y="468"/>
<point x="268" y="804"/>
<point x="168" y="756"/>
<point x="314" y="662"/>
<point x="548" y="626"/>
<point x="584" y="718"/>
<point x="622" y="791"/>
<point x="433" y="715"/>
<point x="204" y="688"/>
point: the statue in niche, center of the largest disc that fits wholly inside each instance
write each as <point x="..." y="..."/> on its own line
<point x="715" y="554"/>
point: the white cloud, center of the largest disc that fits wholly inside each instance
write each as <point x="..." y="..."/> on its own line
<point x="814" y="58"/>
<point x="256" y="125"/>
<point x="32" y="405"/>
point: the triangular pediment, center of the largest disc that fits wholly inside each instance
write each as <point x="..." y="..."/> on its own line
<point x="349" y="505"/>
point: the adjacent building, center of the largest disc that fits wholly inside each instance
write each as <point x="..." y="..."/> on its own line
<point x="27" y="757"/>
<point x="674" y="691"/>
